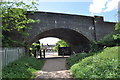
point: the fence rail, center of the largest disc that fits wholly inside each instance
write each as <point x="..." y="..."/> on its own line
<point x="10" y="54"/>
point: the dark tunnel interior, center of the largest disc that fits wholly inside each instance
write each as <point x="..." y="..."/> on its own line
<point x="77" y="41"/>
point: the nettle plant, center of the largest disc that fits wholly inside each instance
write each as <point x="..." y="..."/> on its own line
<point x="117" y="29"/>
<point x="14" y="18"/>
<point x="117" y="35"/>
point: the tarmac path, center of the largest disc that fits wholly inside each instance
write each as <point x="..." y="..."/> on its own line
<point x="54" y="69"/>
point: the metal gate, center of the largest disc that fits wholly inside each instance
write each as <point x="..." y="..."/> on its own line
<point x="64" y="51"/>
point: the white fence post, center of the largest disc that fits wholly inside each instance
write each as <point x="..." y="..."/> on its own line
<point x="11" y="54"/>
<point x="18" y="53"/>
<point x="5" y="50"/>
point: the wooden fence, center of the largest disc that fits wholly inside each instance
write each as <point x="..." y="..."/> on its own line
<point x="10" y="54"/>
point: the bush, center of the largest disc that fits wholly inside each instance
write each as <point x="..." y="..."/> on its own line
<point x="112" y="39"/>
<point x="101" y="65"/>
<point x="96" y="47"/>
<point x="76" y="58"/>
<point x="109" y="40"/>
<point x="25" y="67"/>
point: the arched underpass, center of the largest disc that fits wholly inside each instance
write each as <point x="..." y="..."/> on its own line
<point x="77" y="30"/>
<point x="77" y="41"/>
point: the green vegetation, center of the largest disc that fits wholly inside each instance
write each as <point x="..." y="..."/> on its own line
<point x="108" y="40"/>
<point x="36" y="46"/>
<point x="101" y="65"/>
<point x="112" y="39"/>
<point x="117" y="35"/>
<point x="24" y="68"/>
<point x="101" y="62"/>
<point x="76" y="58"/>
<point x="14" y="19"/>
<point x="60" y="43"/>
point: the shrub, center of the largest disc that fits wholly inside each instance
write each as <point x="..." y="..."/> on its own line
<point x="112" y="39"/>
<point x="22" y="68"/>
<point x="117" y="29"/>
<point x="109" y="40"/>
<point x="101" y="65"/>
<point x="76" y="58"/>
<point x="96" y="47"/>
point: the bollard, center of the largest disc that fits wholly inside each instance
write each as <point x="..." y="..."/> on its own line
<point x="40" y="54"/>
<point x="44" y="53"/>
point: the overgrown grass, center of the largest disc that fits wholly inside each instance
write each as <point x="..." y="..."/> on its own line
<point x="24" y="68"/>
<point x="101" y="65"/>
<point x="76" y="58"/>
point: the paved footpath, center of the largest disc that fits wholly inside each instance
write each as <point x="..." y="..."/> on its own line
<point x="54" y="69"/>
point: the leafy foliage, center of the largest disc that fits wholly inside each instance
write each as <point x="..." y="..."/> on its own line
<point x="76" y="58"/>
<point x="111" y="39"/>
<point x="34" y="47"/>
<point x="117" y="35"/>
<point x="14" y="19"/>
<point x="101" y="65"/>
<point x="95" y="47"/>
<point x="107" y="41"/>
<point x="104" y="62"/>
<point x="61" y="43"/>
<point x="22" y="68"/>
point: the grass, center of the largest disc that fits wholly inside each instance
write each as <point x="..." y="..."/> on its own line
<point x="76" y="58"/>
<point x="24" y="68"/>
<point x="101" y="65"/>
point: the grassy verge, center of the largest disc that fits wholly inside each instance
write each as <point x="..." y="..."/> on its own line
<point x="24" y="68"/>
<point x="101" y="65"/>
<point x="76" y="58"/>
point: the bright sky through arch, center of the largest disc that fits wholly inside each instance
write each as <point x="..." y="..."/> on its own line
<point x="49" y="40"/>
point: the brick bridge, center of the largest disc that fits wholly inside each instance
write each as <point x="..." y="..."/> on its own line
<point x="77" y="30"/>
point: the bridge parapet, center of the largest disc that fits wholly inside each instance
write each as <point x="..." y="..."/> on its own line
<point x="103" y="28"/>
<point x="78" y="23"/>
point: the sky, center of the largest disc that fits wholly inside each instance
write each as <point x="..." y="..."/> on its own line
<point x="82" y="8"/>
<point x="106" y="8"/>
<point x="49" y="41"/>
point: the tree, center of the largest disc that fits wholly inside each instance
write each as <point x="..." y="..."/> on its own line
<point x="14" y="19"/>
<point x="117" y="29"/>
<point x="60" y="43"/>
<point x="111" y="39"/>
<point x="35" y="47"/>
<point x="117" y="34"/>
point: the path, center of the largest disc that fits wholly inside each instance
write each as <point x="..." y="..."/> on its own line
<point x="51" y="55"/>
<point x="55" y="69"/>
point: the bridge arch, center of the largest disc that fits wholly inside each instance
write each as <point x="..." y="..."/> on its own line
<point x="77" y="30"/>
<point x="77" y="41"/>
